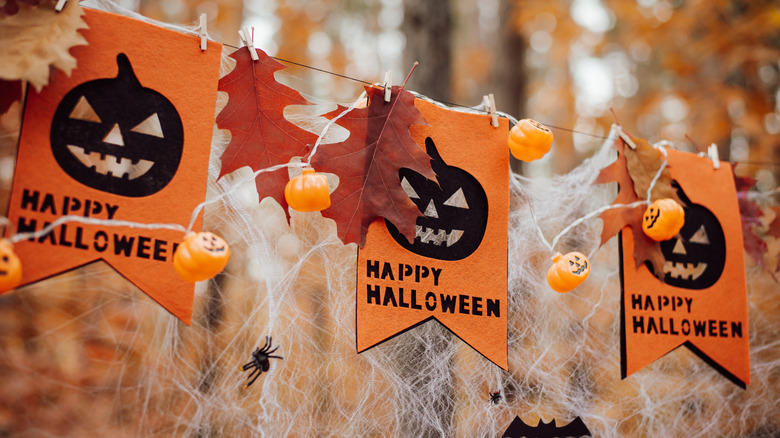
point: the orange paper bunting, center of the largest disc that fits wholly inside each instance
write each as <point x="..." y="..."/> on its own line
<point x="454" y="271"/>
<point x="700" y="298"/>
<point x="122" y="138"/>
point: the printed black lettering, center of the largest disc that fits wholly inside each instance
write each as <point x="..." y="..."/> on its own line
<point x="100" y="247"/>
<point x="389" y="296"/>
<point x="123" y="245"/>
<point x="159" y="250"/>
<point x="464" y="304"/>
<point x="639" y="322"/>
<point x="448" y="303"/>
<point x="494" y="308"/>
<point x="143" y="247"/>
<point x="372" y="268"/>
<point x="430" y="301"/>
<point x="372" y="293"/>
<point x="30" y="200"/>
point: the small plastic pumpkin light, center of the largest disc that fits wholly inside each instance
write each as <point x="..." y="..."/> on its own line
<point x="568" y="271"/>
<point x="663" y="219"/>
<point x="10" y="267"/>
<point x="308" y="192"/>
<point x="201" y="256"/>
<point x="529" y="140"/>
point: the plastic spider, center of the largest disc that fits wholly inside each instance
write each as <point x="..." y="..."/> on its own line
<point x="495" y="397"/>
<point x="260" y="361"/>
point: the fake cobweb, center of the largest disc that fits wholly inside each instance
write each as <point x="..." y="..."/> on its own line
<point x="87" y="354"/>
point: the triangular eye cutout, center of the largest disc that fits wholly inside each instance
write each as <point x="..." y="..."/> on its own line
<point x="408" y="189"/>
<point x="150" y="126"/>
<point x="430" y="211"/>
<point x="83" y="111"/>
<point x="458" y="199"/>
<point x="700" y="236"/>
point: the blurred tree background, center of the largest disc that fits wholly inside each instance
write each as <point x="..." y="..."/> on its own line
<point x="691" y="72"/>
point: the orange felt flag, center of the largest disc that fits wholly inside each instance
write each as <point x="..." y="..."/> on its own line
<point x="454" y="271"/>
<point x="701" y="302"/>
<point x="126" y="137"/>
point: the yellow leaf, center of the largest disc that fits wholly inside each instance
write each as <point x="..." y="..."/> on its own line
<point x="38" y="38"/>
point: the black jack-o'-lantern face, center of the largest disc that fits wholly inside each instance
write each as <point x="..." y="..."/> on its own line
<point x="212" y="243"/>
<point x="696" y="256"/>
<point x="455" y="211"/>
<point x="116" y="136"/>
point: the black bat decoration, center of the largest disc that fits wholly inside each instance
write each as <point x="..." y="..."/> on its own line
<point x="518" y="429"/>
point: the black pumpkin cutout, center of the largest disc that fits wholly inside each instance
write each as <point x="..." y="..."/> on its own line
<point x="696" y="256"/>
<point x="455" y="210"/>
<point x="116" y="136"/>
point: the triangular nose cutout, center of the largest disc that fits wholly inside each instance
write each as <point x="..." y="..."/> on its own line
<point x="678" y="247"/>
<point x="430" y="210"/>
<point x="114" y="136"/>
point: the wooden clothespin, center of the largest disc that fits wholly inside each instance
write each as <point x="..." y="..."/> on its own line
<point x="203" y="32"/>
<point x="712" y="152"/>
<point x="246" y="38"/>
<point x="388" y="88"/>
<point x="60" y="5"/>
<point x="489" y="102"/>
<point x="625" y="137"/>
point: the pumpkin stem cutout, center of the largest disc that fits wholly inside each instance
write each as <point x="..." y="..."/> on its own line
<point x="568" y="272"/>
<point x="10" y="267"/>
<point x="455" y="210"/>
<point x="116" y="136"/>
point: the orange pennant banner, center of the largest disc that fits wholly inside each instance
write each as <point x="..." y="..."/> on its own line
<point x="455" y="270"/>
<point x="701" y="302"/>
<point x="126" y="137"/>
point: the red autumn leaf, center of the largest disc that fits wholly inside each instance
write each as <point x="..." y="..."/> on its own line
<point x="749" y="213"/>
<point x="774" y="227"/>
<point x="367" y="164"/>
<point x="254" y="115"/>
<point x="645" y="248"/>
<point x="10" y="92"/>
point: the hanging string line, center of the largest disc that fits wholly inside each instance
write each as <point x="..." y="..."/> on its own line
<point x="91" y="221"/>
<point x="330" y="123"/>
<point x="476" y="109"/>
<point x="594" y="213"/>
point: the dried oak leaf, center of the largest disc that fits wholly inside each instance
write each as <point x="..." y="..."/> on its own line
<point x="643" y="164"/>
<point x="38" y="38"/>
<point x="645" y="248"/>
<point x="261" y="136"/>
<point x="367" y="164"/>
<point x="10" y="92"/>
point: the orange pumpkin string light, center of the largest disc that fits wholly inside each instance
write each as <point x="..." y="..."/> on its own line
<point x="201" y="256"/>
<point x="567" y="272"/>
<point x="663" y="219"/>
<point x="557" y="277"/>
<point x="529" y="140"/>
<point x="10" y="267"/>
<point x="308" y="192"/>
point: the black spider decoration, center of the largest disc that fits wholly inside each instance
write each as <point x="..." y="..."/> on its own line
<point x="495" y="397"/>
<point x="260" y="361"/>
